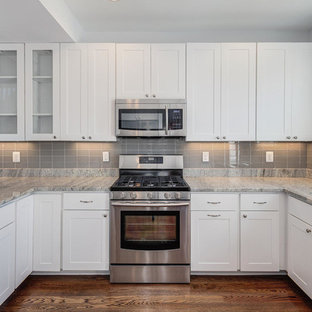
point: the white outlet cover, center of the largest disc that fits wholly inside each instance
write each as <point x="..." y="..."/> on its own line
<point x="16" y="157"/>
<point x="205" y="156"/>
<point x="106" y="156"/>
<point x="269" y="156"/>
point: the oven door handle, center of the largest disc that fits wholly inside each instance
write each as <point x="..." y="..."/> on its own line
<point x="150" y="204"/>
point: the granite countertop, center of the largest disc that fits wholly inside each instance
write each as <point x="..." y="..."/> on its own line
<point x="14" y="187"/>
<point x="300" y="188"/>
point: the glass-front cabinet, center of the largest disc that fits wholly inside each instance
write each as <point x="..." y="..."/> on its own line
<point x="42" y="92"/>
<point x="11" y="92"/>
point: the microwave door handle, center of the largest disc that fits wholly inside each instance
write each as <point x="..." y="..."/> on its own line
<point x="167" y="119"/>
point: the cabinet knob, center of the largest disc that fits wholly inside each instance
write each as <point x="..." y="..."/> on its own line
<point x="288" y="137"/>
<point x="105" y="215"/>
<point x="245" y="216"/>
<point x="154" y="95"/>
<point x="218" y="138"/>
<point x="90" y="137"/>
<point x="83" y="137"/>
<point x="54" y="137"/>
<point x="146" y="95"/>
<point x="224" y="138"/>
<point x="308" y="230"/>
<point x="295" y="137"/>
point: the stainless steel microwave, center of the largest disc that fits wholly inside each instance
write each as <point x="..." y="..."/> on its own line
<point x="151" y="118"/>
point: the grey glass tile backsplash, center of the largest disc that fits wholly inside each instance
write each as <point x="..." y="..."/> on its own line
<point x="89" y="155"/>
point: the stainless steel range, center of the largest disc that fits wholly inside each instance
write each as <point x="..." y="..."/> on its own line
<point x="150" y="221"/>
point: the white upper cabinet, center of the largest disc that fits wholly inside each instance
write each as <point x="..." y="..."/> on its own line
<point x="221" y="91"/>
<point x="284" y="95"/>
<point x="168" y="71"/>
<point x="238" y="91"/>
<point x="87" y="92"/>
<point x="74" y="96"/>
<point x="42" y="91"/>
<point x="11" y="92"/>
<point x="150" y="71"/>
<point x="101" y="92"/>
<point x="133" y="71"/>
<point x="203" y="91"/>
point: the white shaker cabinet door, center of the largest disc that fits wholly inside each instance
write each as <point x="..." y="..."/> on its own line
<point x="24" y="239"/>
<point x="7" y="261"/>
<point x="168" y="71"/>
<point x="47" y="232"/>
<point x="274" y="95"/>
<point x="101" y="92"/>
<point x="133" y="64"/>
<point x="74" y="91"/>
<point x="214" y="244"/>
<point x="300" y="253"/>
<point x="259" y="241"/>
<point x="85" y="240"/>
<point x="301" y="108"/>
<point x="238" y="92"/>
<point x="203" y="91"/>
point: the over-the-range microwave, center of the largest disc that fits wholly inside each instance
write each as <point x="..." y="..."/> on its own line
<point x="151" y="118"/>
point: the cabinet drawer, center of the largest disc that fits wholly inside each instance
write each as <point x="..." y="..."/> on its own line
<point x="215" y="201"/>
<point x="7" y="215"/>
<point x="300" y="209"/>
<point x="260" y="202"/>
<point x="86" y="201"/>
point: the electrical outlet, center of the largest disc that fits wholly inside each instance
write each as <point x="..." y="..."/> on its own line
<point x="269" y="156"/>
<point x="205" y="156"/>
<point x="16" y="157"/>
<point x="106" y="156"/>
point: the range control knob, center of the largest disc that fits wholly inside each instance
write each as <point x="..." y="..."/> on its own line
<point x="133" y="195"/>
<point x="149" y="195"/>
<point x="122" y="195"/>
<point x="167" y="195"/>
<point x="177" y="195"/>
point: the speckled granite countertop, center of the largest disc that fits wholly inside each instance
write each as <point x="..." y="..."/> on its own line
<point x="300" y="188"/>
<point x="14" y="187"/>
<point x="11" y="188"/>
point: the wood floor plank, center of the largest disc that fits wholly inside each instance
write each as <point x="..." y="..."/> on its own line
<point x="203" y="294"/>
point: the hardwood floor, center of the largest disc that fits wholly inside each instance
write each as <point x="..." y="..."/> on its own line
<point x="204" y="294"/>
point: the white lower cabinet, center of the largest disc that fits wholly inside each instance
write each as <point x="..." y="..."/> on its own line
<point x="47" y="232"/>
<point x="300" y="244"/>
<point x="214" y="241"/>
<point x="24" y="239"/>
<point x="259" y="241"/>
<point x="85" y="240"/>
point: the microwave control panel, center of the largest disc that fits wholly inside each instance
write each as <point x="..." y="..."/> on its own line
<point x="175" y="119"/>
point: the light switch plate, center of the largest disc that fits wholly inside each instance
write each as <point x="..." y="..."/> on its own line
<point x="205" y="156"/>
<point x="106" y="156"/>
<point x="269" y="156"/>
<point x="16" y="157"/>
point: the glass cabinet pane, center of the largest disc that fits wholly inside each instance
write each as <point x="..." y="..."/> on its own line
<point x="42" y="91"/>
<point x="8" y="92"/>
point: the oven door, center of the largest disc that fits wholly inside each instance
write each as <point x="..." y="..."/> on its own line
<point x="150" y="233"/>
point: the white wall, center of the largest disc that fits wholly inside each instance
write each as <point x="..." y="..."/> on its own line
<point x="207" y="36"/>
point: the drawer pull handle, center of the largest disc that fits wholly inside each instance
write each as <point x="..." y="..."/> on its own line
<point x="308" y="231"/>
<point x="245" y="216"/>
<point x="86" y="201"/>
<point x="260" y="203"/>
<point x="213" y="203"/>
<point x="105" y="215"/>
<point x="214" y="216"/>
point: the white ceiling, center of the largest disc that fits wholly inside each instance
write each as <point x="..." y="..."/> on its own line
<point x="191" y="15"/>
<point x="29" y="21"/>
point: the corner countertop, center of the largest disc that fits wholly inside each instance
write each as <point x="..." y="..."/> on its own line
<point x="14" y="187"/>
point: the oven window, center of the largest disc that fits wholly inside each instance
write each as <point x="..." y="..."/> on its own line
<point x="150" y="230"/>
<point x="142" y="119"/>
